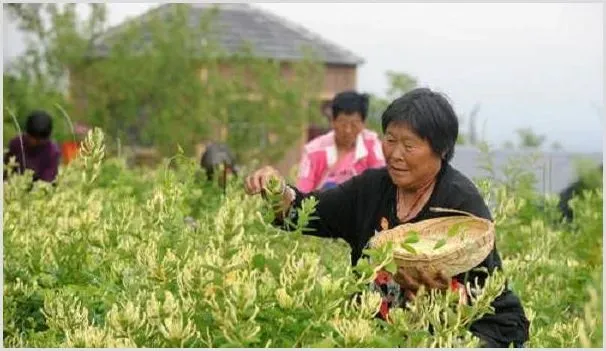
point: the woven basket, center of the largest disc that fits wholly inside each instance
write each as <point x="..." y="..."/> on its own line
<point x="461" y="252"/>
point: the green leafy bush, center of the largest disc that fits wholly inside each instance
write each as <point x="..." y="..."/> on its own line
<point x="107" y="259"/>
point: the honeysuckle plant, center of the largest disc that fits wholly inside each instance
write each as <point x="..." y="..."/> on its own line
<point x="107" y="259"/>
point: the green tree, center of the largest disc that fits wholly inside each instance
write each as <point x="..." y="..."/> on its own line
<point x="399" y="84"/>
<point x="129" y="81"/>
<point x="38" y="79"/>
<point x="528" y="139"/>
<point x="556" y="146"/>
<point x="508" y="145"/>
<point x="376" y="107"/>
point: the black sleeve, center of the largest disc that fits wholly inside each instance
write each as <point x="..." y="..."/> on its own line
<point x="335" y="211"/>
<point x="470" y="200"/>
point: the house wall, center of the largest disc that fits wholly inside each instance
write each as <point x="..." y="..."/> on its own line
<point x="337" y="78"/>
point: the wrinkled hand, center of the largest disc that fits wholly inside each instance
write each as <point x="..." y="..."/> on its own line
<point x="412" y="285"/>
<point x="258" y="180"/>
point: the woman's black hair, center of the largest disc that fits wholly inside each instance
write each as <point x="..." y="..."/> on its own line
<point x="429" y="115"/>
<point x="39" y="124"/>
<point x="350" y="102"/>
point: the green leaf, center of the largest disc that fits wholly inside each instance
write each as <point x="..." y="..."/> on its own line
<point x="364" y="268"/>
<point x="258" y="261"/>
<point x="452" y="317"/>
<point x="439" y="244"/>
<point x="391" y="267"/>
<point x="412" y="238"/>
<point x="455" y="229"/>
<point x="325" y="343"/>
<point x="212" y="268"/>
<point x="413" y="233"/>
<point x="409" y="248"/>
<point x="274" y="267"/>
<point x="374" y="254"/>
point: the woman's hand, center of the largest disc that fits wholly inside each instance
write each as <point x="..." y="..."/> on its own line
<point x="412" y="285"/>
<point x="258" y="180"/>
<point x="277" y="194"/>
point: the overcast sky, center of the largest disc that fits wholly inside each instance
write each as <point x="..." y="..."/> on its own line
<point x="527" y="65"/>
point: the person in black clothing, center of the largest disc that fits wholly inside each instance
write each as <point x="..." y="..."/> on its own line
<point x="572" y="190"/>
<point x="34" y="150"/>
<point x="216" y="155"/>
<point x="420" y="130"/>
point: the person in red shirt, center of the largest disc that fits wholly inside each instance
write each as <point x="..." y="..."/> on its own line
<point x="70" y="149"/>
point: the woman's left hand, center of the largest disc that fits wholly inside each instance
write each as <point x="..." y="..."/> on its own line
<point x="437" y="282"/>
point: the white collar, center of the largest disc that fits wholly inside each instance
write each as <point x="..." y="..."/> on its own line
<point x="360" y="152"/>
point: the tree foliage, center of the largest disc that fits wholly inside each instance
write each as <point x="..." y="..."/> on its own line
<point x="398" y="84"/>
<point x="159" y="80"/>
<point x="528" y="139"/>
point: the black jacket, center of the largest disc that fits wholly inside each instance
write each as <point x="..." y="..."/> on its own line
<point x="353" y="210"/>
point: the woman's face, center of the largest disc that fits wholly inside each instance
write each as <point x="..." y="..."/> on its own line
<point x="410" y="160"/>
<point x="347" y="127"/>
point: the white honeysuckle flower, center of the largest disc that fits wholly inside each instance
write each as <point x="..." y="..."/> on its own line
<point x="174" y="329"/>
<point x="87" y="337"/>
<point x="284" y="300"/>
<point x="170" y="305"/>
<point x="353" y="331"/>
<point x="369" y="303"/>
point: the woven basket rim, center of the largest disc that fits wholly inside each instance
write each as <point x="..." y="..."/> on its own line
<point x="421" y="225"/>
<point x="423" y="257"/>
<point x="480" y="243"/>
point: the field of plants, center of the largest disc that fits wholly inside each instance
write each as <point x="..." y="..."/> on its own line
<point x="115" y="257"/>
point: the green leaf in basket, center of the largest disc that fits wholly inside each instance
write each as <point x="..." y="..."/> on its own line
<point x="391" y="267"/>
<point x="409" y="248"/>
<point x="413" y="233"/>
<point x="439" y="244"/>
<point x="458" y="228"/>
<point x="455" y="229"/>
<point x="412" y="238"/>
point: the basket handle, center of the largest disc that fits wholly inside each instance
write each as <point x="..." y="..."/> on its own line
<point x="451" y="210"/>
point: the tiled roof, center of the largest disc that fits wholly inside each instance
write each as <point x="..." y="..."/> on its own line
<point x="238" y="25"/>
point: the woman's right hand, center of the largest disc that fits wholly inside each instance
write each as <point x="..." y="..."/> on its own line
<point x="258" y="180"/>
<point x="277" y="194"/>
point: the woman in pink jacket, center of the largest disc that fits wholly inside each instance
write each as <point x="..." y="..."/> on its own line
<point x="348" y="150"/>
